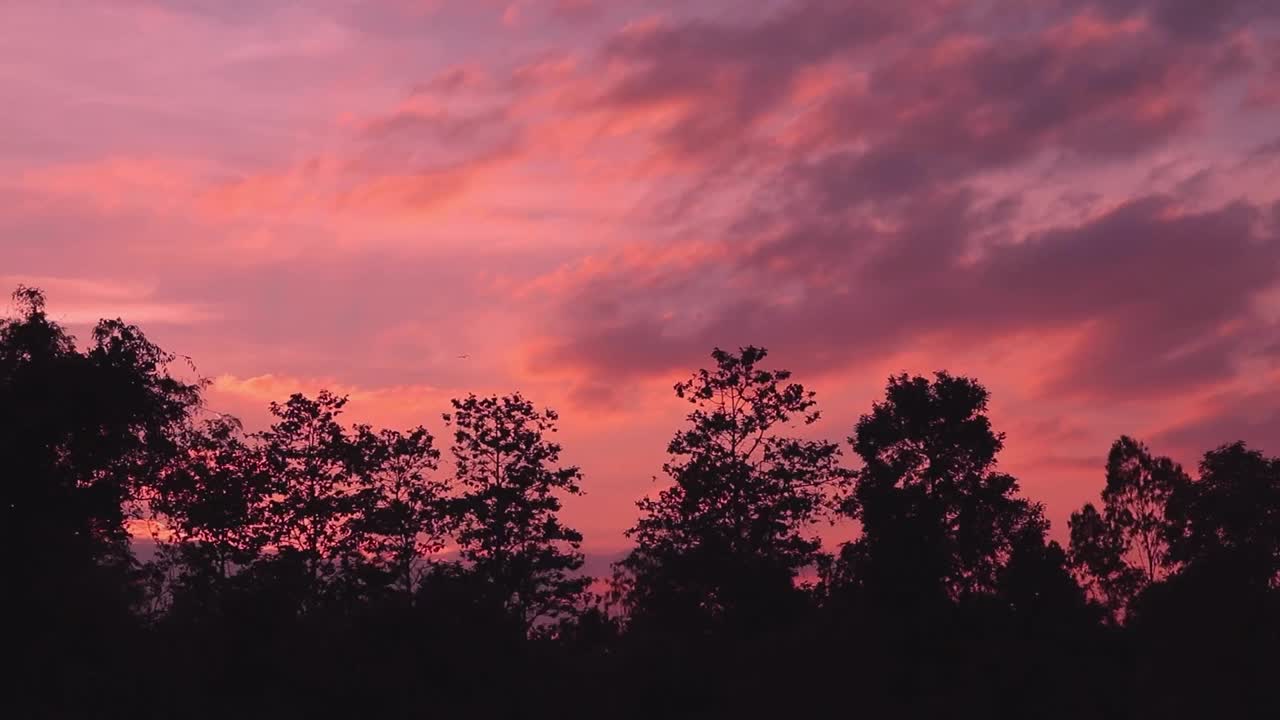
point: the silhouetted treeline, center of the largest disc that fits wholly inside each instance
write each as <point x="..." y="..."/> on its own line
<point x="322" y="569"/>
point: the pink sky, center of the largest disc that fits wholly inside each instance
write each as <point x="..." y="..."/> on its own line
<point x="1076" y="201"/>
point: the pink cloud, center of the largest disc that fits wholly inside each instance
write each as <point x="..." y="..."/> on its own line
<point x="393" y="406"/>
<point x="114" y="183"/>
<point x="83" y="302"/>
<point x="1073" y="200"/>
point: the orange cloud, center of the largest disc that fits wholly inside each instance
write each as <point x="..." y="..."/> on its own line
<point x="119" y="182"/>
<point x="399" y="406"/>
<point x="78" y="301"/>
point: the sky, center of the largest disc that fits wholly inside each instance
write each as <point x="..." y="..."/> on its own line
<point x="1075" y="201"/>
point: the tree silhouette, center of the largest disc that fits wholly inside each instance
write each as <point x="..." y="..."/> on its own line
<point x="1229" y="518"/>
<point x="311" y="456"/>
<point x="213" y="501"/>
<point x="1098" y="549"/>
<point x="508" y="529"/>
<point x="304" y="562"/>
<point x="1124" y="549"/>
<point x="1205" y="637"/>
<point x="937" y="518"/>
<point x="403" y="517"/>
<point x="80" y="432"/>
<point x="728" y="536"/>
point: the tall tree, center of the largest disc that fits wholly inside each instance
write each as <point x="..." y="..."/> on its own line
<point x="1228" y="521"/>
<point x="311" y="457"/>
<point x="1206" y="636"/>
<point x="1097" y="556"/>
<point x="734" y="525"/>
<point x="509" y="531"/>
<point x="938" y="520"/>
<point x="403" y="516"/>
<point x="213" y="501"/>
<point x="1124" y="548"/>
<point x="80" y="433"/>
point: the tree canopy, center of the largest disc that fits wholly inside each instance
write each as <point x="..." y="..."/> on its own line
<point x="314" y="568"/>
<point x="735" y="525"/>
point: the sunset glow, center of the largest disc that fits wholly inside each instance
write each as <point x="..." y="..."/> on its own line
<point x="1075" y="201"/>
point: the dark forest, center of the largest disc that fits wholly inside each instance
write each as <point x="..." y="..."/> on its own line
<point x="319" y="568"/>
